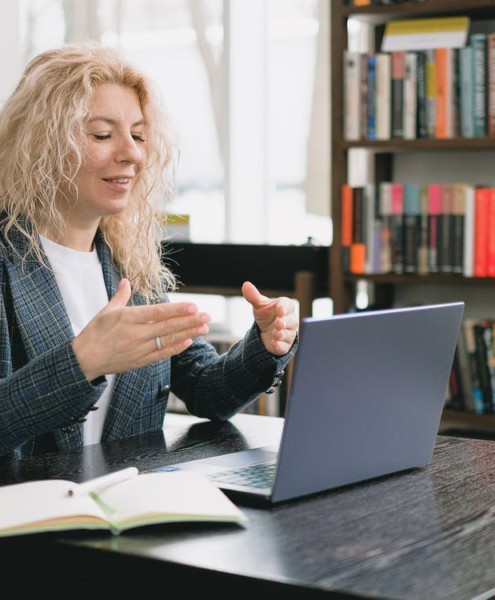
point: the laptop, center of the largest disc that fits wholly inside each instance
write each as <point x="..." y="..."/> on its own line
<point x="365" y="401"/>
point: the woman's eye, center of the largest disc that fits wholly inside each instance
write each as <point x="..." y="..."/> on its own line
<point x="138" y="137"/>
<point x="101" y="137"/>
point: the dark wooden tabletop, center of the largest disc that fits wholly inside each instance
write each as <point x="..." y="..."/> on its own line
<point x="424" y="534"/>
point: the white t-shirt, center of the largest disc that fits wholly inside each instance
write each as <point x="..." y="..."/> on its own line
<point x="80" y="278"/>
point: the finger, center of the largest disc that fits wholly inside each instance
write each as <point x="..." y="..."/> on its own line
<point x="121" y="296"/>
<point x="171" y="335"/>
<point x="253" y="296"/>
<point x="163" y="312"/>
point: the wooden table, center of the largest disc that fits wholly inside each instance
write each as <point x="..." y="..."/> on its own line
<point x="423" y="534"/>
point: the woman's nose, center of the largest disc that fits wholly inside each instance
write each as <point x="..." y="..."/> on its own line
<point x="129" y="151"/>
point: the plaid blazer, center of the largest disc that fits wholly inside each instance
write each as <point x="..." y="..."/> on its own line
<point x="44" y="395"/>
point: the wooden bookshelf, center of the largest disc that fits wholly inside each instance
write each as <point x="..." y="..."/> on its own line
<point x="343" y="285"/>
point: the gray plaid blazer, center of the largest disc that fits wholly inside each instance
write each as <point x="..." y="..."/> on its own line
<point x="44" y="395"/>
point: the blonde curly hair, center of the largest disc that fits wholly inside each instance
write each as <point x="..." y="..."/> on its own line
<point x="41" y="150"/>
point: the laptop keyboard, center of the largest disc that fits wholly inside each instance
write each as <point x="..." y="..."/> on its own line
<point x="259" y="476"/>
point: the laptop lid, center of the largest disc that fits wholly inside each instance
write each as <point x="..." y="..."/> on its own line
<point x="366" y="399"/>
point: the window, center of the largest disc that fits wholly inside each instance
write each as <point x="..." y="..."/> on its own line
<point x="247" y="85"/>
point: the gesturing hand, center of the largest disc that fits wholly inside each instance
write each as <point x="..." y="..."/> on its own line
<point x="120" y="337"/>
<point x="276" y="319"/>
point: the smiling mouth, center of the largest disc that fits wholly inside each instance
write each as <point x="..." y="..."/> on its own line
<point x="121" y="180"/>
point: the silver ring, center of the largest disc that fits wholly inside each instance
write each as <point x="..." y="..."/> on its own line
<point x="158" y="343"/>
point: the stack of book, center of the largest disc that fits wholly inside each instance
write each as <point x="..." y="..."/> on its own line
<point x="472" y="379"/>
<point x="439" y="93"/>
<point x="420" y="229"/>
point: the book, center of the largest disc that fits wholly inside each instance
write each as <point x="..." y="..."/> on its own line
<point x="490" y="62"/>
<point x="371" y="98"/>
<point x="352" y="96"/>
<point x="136" y="501"/>
<point x="484" y="376"/>
<point x="397" y="228"/>
<point x="383" y="96"/>
<point x="434" y="231"/>
<point x="363" y="101"/>
<point x="466" y="92"/>
<point x="385" y="211"/>
<point x="358" y="245"/>
<point x="446" y="251"/>
<point x="424" y="246"/>
<point x="443" y="117"/>
<point x="410" y="96"/>
<point x="458" y="216"/>
<point x="468" y="255"/>
<point x="419" y="34"/>
<point x="490" y="257"/>
<point x="346" y="227"/>
<point x="479" y="45"/>
<point x="398" y="74"/>
<point x="431" y="92"/>
<point x="481" y="223"/>
<point x="370" y="225"/>
<point x="465" y="372"/>
<point x="412" y="208"/>
<point x="421" y="120"/>
<point x="477" y="399"/>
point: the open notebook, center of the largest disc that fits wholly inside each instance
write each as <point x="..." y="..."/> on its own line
<point x="365" y="401"/>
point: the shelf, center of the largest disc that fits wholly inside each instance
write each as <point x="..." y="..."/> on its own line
<point x="416" y="10"/>
<point x="441" y="279"/>
<point x="423" y="145"/>
<point x="456" y="420"/>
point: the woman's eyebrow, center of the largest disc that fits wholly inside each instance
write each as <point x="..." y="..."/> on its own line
<point x="111" y="121"/>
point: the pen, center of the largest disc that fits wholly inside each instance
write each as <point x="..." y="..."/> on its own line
<point x="100" y="483"/>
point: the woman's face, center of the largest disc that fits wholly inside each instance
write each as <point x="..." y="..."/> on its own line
<point x="115" y="154"/>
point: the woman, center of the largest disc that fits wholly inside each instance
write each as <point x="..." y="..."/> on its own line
<point x="90" y="346"/>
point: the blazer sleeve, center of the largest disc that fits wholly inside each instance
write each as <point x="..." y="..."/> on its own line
<point x="47" y="393"/>
<point x="217" y="387"/>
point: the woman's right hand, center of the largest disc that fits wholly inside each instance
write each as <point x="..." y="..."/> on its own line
<point x="121" y="338"/>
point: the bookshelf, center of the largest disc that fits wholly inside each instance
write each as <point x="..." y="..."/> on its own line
<point x="388" y="289"/>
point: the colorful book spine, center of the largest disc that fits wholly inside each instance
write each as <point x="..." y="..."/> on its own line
<point x="398" y="73"/>
<point x="421" y="121"/>
<point x="385" y="213"/>
<point x="479" y="45"/>
<point x="466" y="90"/>
<point x="370" y="201"/>
<point x="412" y="208"/>
<point x="397" y="228"/>
<point x="346" y="227"/>
<point x="410" y="96"/>
<point x="490" y="258"/>
<point x="458" y="216"/>
<point x="468" y="257"/>
<point x="352" y="81"/>
<point x="491" y="85"/>
<point x="358" y="246"/>
<point x="423" y="250"/>
<point x="431" y="92"/>
<point x="481" y="232"/>
<point x="434" y="211"/>
<point x="383" y="96"/>
<point x="371" y="98"/>
<point x="443" y="117"/>
<point x="446" y="257"/>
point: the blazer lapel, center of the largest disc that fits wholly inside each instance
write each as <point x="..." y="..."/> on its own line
<point x="130" y="386"/>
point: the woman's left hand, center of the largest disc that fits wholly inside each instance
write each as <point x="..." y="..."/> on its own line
<point x="276" y="319"/>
